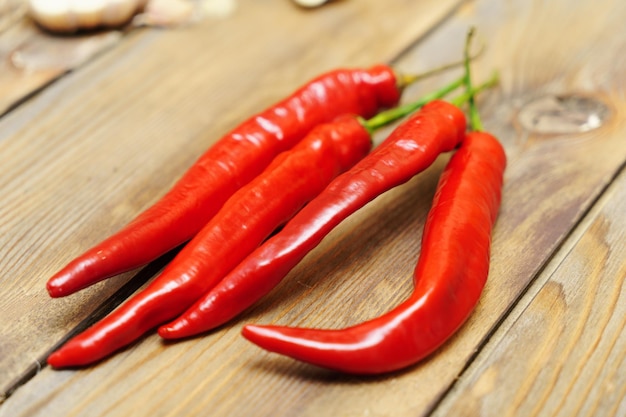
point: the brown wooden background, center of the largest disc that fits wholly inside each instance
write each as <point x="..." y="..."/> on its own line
<point x="94" y="128"/>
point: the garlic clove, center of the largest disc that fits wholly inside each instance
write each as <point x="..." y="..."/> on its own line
<point x="88" y="12"/>
<point x="310" y="3"/>
<point x="54" y="15"/>
<point x="118" y="12"/>
<point x="71" y="15"/>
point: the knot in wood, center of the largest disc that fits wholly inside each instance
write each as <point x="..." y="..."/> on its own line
<point x="563" y="114"/>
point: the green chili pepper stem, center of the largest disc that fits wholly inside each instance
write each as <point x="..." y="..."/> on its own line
<point x="474" y="117"/>
<point x="408" y="79"/>
<point x="391" y="115"/>
<point x="467" y="96"/>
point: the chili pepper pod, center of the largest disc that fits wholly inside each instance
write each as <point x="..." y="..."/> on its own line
<point x="438" y="127"/>
<point x="245" y="220"/>
<point x="449" y="277"/>
<point x="230" y="163"/>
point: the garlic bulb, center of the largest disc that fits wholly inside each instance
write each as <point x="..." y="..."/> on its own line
<point x="73" y="15"/>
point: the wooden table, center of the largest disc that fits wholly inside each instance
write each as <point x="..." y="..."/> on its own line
<point x="96" y="127"/>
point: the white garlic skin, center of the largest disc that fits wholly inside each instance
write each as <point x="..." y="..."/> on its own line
<point x="68" y="16"/>
<point x="310" y="3"/>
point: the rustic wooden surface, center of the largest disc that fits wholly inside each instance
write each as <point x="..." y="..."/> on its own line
<point x="89" y="140"/>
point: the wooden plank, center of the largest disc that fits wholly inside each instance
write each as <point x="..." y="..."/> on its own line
<point x="363" y="269"/>
<point x="561" y="351"/>
<point x="82" y="158"/>
<point x="376" y="250"/>
<point x="30" y="58"/>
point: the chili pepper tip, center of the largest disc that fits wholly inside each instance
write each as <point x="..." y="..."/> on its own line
<point x="58" y="359"/>
<point x="261" y="335"/>
<point x="174" y="330"/>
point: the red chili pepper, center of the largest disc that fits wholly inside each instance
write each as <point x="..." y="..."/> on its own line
<point x="229" y="164"/>
<point x="246" y="219"/>
<point x="449" y="277"/>
<point x="438" y="127"/>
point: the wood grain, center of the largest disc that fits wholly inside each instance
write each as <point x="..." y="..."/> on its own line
<point x="364" y="267"/>
<point x="30" y="58"/>
<point x="565" y="342"/>
<point x="82" y="158"/>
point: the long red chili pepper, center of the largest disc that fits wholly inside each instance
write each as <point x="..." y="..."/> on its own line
<point x="229" y="164"/>
<point x="245" y="220"/>
<point x="438" y="127"/>
<point x="449" y="277"/>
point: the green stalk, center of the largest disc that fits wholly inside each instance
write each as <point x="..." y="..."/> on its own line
<point x="407" y="79"/>
<point x="474" y="118"/>
<point x="391" y="115"/>
<point x="467" y="97"/>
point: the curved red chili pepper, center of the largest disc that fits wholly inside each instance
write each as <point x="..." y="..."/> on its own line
<point x="438" y="127"/>
<point x="229" y="164"/>
<point x="449" y="277"/>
